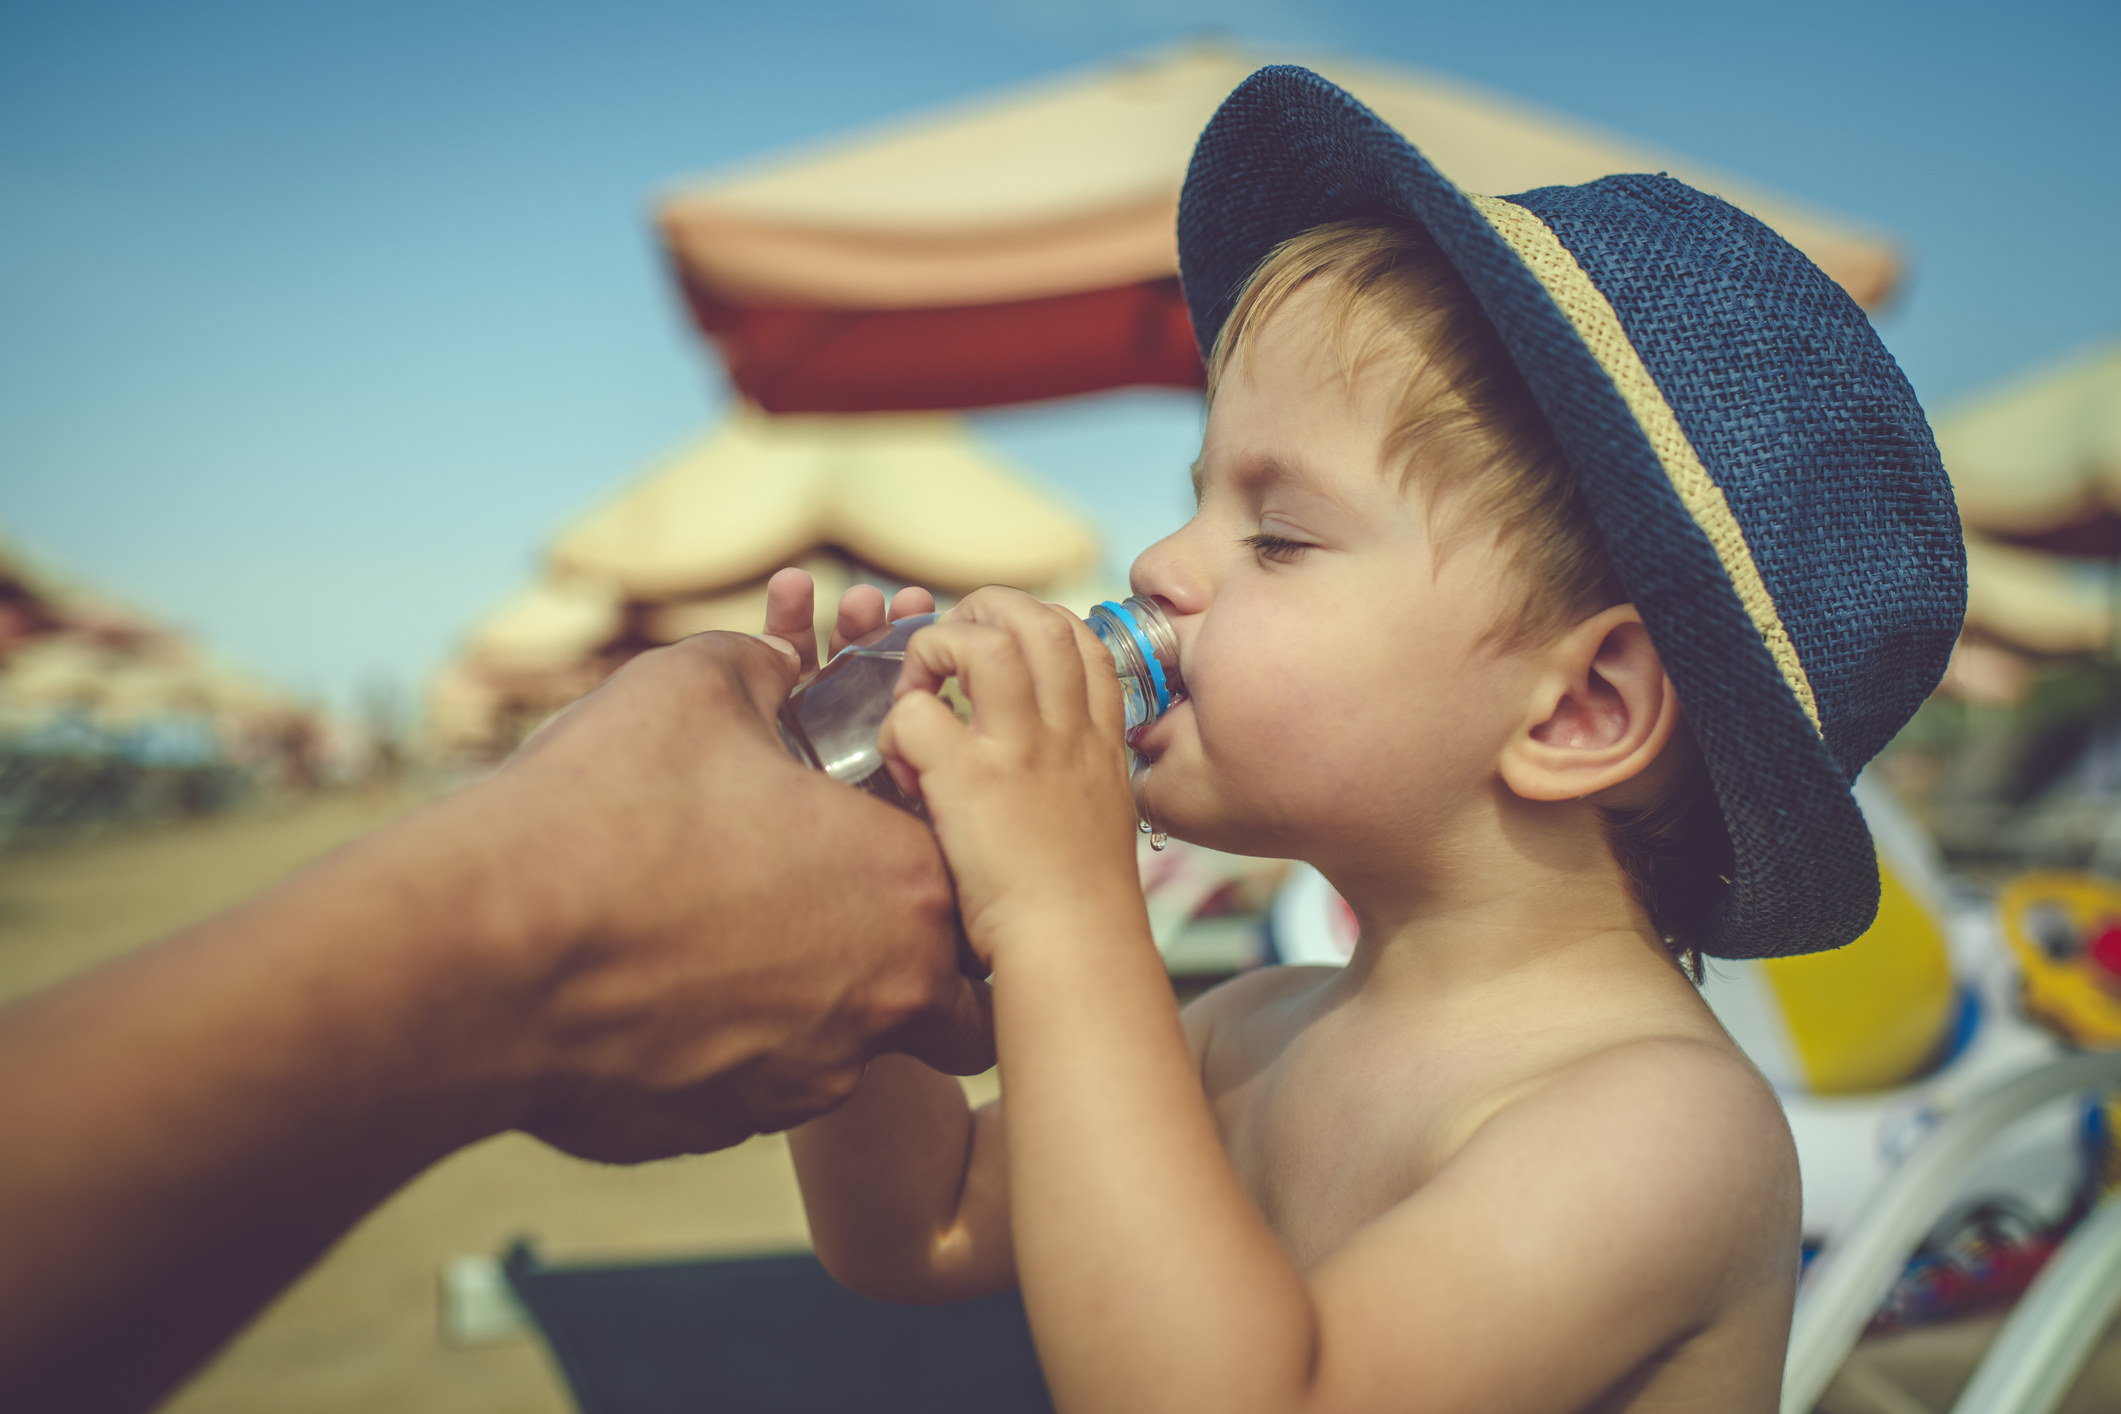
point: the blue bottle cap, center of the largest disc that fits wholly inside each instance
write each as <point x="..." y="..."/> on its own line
<point x="1147" y="650"/>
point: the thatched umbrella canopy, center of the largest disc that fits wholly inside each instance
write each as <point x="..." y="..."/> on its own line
<point x="889" y="499"/>
<point x="2036" y="465"/>
<point x="2039" y="459"/>
<point x="916" y="496"/>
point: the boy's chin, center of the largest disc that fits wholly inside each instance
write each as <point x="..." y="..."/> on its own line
<point x="1225" y="836"/>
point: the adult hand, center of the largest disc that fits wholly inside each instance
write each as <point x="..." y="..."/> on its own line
<point x="650" y="932"/>
<point x="738" y="934"/>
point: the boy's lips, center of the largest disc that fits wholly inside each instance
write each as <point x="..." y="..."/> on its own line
<point x="1150" y="739"/>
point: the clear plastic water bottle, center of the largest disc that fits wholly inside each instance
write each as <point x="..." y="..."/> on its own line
<point x="831" y="721"/>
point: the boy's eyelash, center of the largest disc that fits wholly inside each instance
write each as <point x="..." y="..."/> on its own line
<point x="1275" y="547"/>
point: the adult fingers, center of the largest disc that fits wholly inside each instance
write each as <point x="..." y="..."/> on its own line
<point x="729" y="677"/>
<point x="791" y="613"/>
<point x="766" y="677"/>
<point x="732" y="683"/>
<point x="910" y="601"/>
<point x="861" y="613"/>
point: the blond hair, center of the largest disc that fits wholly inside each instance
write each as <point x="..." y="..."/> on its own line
<point x="1466" y="427"/>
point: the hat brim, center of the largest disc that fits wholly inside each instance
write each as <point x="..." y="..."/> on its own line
<point x="1289" y="151"/>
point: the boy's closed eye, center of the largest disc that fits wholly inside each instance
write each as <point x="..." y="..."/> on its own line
<point x="1278" y="549"/>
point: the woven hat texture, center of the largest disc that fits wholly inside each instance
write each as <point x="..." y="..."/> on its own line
<point x="1759" y="469"/>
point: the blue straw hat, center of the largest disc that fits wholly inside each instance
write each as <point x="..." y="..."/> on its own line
<point x="1759" y="469"/>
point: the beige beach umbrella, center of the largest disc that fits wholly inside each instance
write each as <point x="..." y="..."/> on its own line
<point x="1072" y="185"/>
<point x="551" y="624"/>
<point x="232" y="692"/>
<point x="742" y="608"/>
<point x="2041" y="452"/>
<point x="462" y="708"/>
<point x="119" y="687"/>
<point x="56" y="674"/>
<point x="135" y="691"/>
<point x="2041" y="603"/>
<point x="917" y="496"/>
<point x="2036" y="467"/>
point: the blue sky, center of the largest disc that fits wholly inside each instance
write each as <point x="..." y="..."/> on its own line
<point x="317" y="320"/>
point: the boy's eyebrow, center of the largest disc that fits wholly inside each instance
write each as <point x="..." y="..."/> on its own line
<point x="1269" y="471"/>
<point x="1263" y="471"/>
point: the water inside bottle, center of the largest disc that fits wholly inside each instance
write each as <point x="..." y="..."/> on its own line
<point x="831" y="722"/>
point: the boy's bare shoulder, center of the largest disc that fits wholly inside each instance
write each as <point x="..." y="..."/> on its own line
<point x="1681" y="1131"/>
<point x="1695" y="1103"/>
<point x="1635" y="1205"/>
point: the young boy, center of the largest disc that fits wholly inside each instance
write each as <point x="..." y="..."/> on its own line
<point x="1557" y="563"/>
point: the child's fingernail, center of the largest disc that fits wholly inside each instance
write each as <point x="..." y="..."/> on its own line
<point x="781" y="643"/>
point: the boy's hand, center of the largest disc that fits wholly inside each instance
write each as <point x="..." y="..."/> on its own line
<point x="1030" y="798"/>
<point x="791" y="614"/>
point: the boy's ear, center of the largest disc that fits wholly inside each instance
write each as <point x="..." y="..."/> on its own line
<point x="1602" y="710"/>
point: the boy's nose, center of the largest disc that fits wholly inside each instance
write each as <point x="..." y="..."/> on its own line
<point x="1165" y="571"/>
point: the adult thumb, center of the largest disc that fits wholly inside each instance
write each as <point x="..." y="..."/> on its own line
<point x="957" y="1038"/>
<point x="764" y="669"/>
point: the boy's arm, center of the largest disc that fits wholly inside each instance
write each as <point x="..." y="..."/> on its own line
<point x="1587" y="1227"/>
<point x="906" y="1188"/>
<point x="904" y="1185"/>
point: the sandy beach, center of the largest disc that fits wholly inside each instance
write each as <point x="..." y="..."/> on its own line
<point x="361" y="1332"/>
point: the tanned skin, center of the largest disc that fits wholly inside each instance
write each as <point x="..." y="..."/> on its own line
<point x="650" y="933"/>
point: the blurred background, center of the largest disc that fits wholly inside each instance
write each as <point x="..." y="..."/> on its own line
<point x="374" y="379"/>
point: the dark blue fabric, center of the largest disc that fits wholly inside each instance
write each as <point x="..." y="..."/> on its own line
<point x="1796" y="410"/>
<point x="771" y="1335"/>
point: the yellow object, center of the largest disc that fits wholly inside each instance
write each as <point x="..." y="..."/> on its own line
<point x="1874" y="1013"/>
<point x="2060" y="992"/>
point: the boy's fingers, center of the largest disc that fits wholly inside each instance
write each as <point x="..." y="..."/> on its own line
<point x="791" y="613"/>
<point x="1108" y="709"/>
<point x="985" y="660"/>
<point x="1044" y="634"/>
<point x="861" y="613"/>
<point x="1057" y="665"/>
<point x="917" y="732"/>
<point x="984" y="606"/>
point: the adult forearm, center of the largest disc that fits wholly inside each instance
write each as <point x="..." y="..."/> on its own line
<point x="902" y="1187"/>
<point x="1151" y="1279"/>
<point x="650" y="933"/>
<point x="189" y="1129"/>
